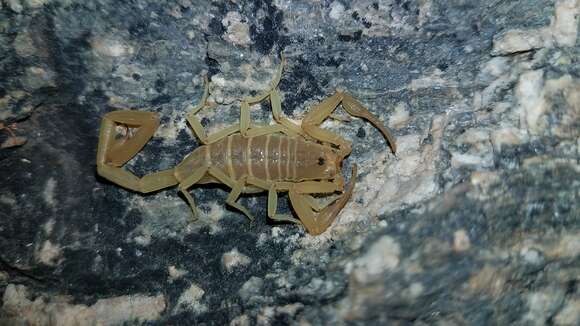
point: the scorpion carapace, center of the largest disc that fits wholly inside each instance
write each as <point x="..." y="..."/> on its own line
<point x="285" y="157"/>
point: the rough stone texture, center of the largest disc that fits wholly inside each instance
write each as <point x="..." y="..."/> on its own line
<point x="475" y="221"/>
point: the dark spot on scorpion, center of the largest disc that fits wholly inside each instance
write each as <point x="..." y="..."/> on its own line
<point x="321" y="161"/>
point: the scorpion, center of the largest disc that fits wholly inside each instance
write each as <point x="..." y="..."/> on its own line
<point x="302" y="160"/>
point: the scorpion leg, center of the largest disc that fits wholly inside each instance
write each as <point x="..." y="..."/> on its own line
<point x="188" y="182"/>
<point x="255" y="131"/>
<point x="237" y="189"/>
<point x="276" y="104"/>
<point x="196" y="125"/>
<point x="273" y="204"/>
<point x="235" y="194"/>
<point x="316" y="223"/>
<point x="323" y="110"/>
<point x="114" y="151"/>
<point x="313" y="119"/>
<point x="284" y="125"/>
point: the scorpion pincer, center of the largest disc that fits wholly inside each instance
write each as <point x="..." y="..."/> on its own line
<point x="284" y="157"/>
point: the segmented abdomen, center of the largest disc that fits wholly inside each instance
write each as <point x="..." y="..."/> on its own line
<point x="273" y="157"/>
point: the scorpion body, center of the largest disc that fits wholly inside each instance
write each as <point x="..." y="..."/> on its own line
<point x="299" y="159"/>
<point x="271" y="158"/>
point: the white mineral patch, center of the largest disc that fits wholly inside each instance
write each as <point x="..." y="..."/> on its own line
<point x="15" y="5"/>
<point x="507" y="136"/>
<point x="190" y="300"/>
<point x="242" y="320"/>
<point x="48" y="192"/>
<point x="382" y="256"/>
<point x="49" y="226"/>
<point x="49" y="254"/>
<point x="408" y="179"/>
<point x="175" y="273"/>
<point x="537" y="97"/>
<point x="564" y="27"/>
<point x="38" y="77"/>
<point x="36" y="3"/>
<point x="170" y="131"/>
<point x="531" y="100"/>
<point x="484" y="179"/>
<point x="496" y="67"/>
<point x="336" y="10"/>
<point x="569" y="88"/>
<point x="400" y="116"/>
<point x="480" y="151"/>
<point x="413" y="291"/>
<point x="461" y="241"/>
<point x="531" y="255"/>
<point x="111" y="47"/>
<point x="542" y="305"/>
<point x="519" y="40"/>
<point x="251" y="288"/>
<point x="24" y="45"/>
<point x="567" y="247"/>
<point x="7" y="199"/>
<point x="234" y="259"/>
<point x="237" y="30"/>
<point x="117" y="310"/>
<point x="432" y="81"/>
<point x="570" y="314"/>
<point x="57" y="310"/>
<point x="562" y="32"/>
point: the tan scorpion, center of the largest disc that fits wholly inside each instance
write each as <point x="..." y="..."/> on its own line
<point x="300" y="159"/>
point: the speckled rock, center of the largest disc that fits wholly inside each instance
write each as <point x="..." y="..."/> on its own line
<point x="474" y="221"/>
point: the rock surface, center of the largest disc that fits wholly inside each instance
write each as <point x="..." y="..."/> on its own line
<point x="474" y="221"/>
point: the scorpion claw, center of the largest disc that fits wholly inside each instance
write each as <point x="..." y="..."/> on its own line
<point x="316" y="223"/>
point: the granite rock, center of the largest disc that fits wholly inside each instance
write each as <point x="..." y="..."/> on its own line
<point x="474" y="221"/>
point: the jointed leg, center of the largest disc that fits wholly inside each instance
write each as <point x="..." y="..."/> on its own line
<point x="284" y="125"/>
<point x="235" y="194"/>
<point x="273" y="205"/>
<point x="237" y="188"/>
<point x="311" y="122"/>
<point x="276" y="104"/>
<point x="273" y="84"/>
<point x="188" y="182"/>
<point x="196" y="125"/>
<point x="315" y="117"/>
<point x="246" y="131"/>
